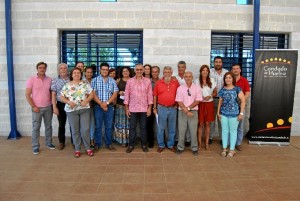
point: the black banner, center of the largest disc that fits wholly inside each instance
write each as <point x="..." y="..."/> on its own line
<point x="273" y="96"/>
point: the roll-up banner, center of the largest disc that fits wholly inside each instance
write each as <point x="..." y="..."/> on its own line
<point x="273" y="96"/>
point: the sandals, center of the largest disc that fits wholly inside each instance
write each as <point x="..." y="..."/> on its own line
<point x="77" y="154"/>
<point x="90" y="153"/>
<point x="206" y="147"/>
<point x="231" y="154"/>
<point x="223" y="153"/>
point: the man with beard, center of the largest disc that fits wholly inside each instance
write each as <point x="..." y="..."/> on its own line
<point x="164" y="105"/>
<point x="217" y="73"/>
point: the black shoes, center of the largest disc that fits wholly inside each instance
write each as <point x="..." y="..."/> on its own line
<point x="210" y="141"/>
<point x="129" y="149"/>
<point x="187" y="144"/>
<point x="110" y="148"/>
<point x="179" y="151"/>
<point x="145" y="149"/>
<point x="195" y="153"/>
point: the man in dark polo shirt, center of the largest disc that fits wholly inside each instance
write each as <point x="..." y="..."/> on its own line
<point x="244" y="85"/>
<point x="164" y="106"/>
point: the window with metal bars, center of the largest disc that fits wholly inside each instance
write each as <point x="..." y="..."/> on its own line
<point x="117" y="48"/>
<point x="237" y="48"/>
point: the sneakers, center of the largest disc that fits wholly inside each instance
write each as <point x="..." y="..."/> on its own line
<point x="51" y="146"/>
<point x="36" y="151"/>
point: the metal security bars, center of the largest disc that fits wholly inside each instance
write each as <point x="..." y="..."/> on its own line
<point x="237" y="48"/>
<point x="118" y="48"/>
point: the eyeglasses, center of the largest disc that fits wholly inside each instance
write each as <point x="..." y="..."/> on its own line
<point x="189" y="93"/>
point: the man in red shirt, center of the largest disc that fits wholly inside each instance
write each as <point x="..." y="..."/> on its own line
<point x="244" y="85"/>
<point x="164" y="107"/>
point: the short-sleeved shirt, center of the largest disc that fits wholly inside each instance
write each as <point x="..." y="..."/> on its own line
<point x="41" y="90"/>
<point x="206" y="90"/>
<point x="230" y="106"/>
<point x="243" y="84"/>
<point x="166" y="93"/>
<point x="218" y="78"/>
<point x="138" y="94"/>
<point x="104" y="89"/>
<point x="187" y="95"/>
<point x="76" y="93"/>
<point x="57" y="84"/>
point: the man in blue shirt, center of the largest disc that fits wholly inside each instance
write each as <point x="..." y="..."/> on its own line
<point x="105" y="92"/>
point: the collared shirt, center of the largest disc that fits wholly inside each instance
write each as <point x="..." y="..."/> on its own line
<point x="104" y="90"/>
<point x="138" y="94"/>
<point x="243" y="84"/>
<point x="206" y="91"/>
<point x="180" y="80"/>
<point x="166" y="93"/>
<point x="218" y="78"/>
<point x="41" y="93"/>
<point x="57" y="84"/>
<point x="76" y="93"/>
<point x="187" y="95"/>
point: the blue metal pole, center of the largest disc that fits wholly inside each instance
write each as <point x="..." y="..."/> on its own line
<point x="256" y="13"/>
<point x="14" y="134"/>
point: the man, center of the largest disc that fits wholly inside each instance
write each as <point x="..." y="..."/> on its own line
<point x="155" y="70"/>
<point x="105" y="92"/>
<point x="244" y="85"/>
<point x="58" y="106"/>
<point x="80" y="65"/>
<point x="164" y="105"/>
<point x="138" y="101"/>
<point x="217" y="73"/>
<point x="38" y="95"/>
<point x="188" y="97"/>
<point x="180" y="77"/>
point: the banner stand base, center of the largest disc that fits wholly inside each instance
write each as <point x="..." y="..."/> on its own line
<point x="270" y="143"/>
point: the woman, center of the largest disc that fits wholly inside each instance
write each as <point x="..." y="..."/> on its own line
<point x="112" y="73"/>
<point x="121" y="134"/>
<point x="206" y="106"/>
<point x="77" y="94"/>
<point x="147" y="71"/>
<point x="229" y="112"/>
<point x="58" y="106"/>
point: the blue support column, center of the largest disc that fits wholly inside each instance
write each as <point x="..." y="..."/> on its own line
<point x="256" y="13"/>
<point x="14" y="134"/>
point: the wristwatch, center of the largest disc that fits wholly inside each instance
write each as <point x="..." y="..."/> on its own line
<point x="107" y="103"/>
<point x="241" y="113"/>
<point x="189" y="109"/>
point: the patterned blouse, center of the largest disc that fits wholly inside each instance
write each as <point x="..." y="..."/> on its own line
<point x="76" y="93"/>
<point x="230" y="106"/>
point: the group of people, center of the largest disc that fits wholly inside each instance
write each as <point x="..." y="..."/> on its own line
<point x="180" y="108"/>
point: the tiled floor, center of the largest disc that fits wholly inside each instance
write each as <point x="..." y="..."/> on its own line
<point x="257" y="173"/>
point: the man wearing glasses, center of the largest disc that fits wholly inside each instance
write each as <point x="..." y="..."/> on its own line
<point x="138" y="102"/>
<point x="188" y="97"/>
<point x="105" y="92"/>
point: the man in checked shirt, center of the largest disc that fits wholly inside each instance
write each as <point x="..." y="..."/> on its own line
<point x="138" y="102"/>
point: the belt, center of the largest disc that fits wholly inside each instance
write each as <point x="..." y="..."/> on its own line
<point x="168" y="105"/>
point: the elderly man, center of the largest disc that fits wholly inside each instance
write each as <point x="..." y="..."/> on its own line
<point x="38" y="95"/>
<point x="188" y="97"/>
<point x="217" y="73"/>
<point x="106" y="91"/>
<point x="244" y="85"/>
<point x="164" y="105"/>
<point x="58" y="106"/>
<point x="138" y="101"/>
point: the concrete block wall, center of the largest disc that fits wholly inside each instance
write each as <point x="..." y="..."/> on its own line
<point x="173" y="30"/>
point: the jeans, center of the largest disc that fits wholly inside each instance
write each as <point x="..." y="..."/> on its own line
<point x="134" y="118"/>
<point x="240" y="132"/>
<point x="229" y="129"/>
<point x="46" y="114"/>
<point x="106" y="117"/>
<point x="62" y="119"/>
<point x="213" y="124"/>
<point x="185" y="122"/>
<point x="92" y="123"/>
<point x="150" y="130"/>
<point x="166" y="117"/>
<point x="79" y="121"/>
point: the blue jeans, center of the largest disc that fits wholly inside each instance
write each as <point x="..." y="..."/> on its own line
<point x="46" y="114"/>
<point x="134" y="118"/>
<point x="92" y="123"/>
<point x="166" y="116"/>
<point x="229" y="129"/>
<point x="106" y="117"/>
<point x="240" y="132"/>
